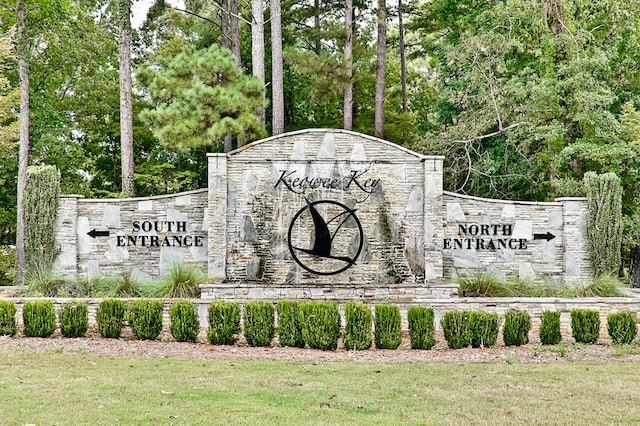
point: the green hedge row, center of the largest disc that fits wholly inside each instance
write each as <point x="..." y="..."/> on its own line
<point x="313" y="324"/>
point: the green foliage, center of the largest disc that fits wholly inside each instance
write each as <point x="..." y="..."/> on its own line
<point x="8" y="323"/>
<point x="357" y="331"/>
<point x="41" y="195"/>
<point x="585" y="325"/>
<point x="387" y="332"/>
<point x="421" y="327"/>
<point x="183" y="282"/>
<point x="604" y="222"/>
<point x="456" y="328"/>
<point x="601" y="286"/>
<point x="74" y="319"/>
<point x="39" y="318"/>
<point x="484" y="285"/>
<point x="185" y="323"/>
<point x="125" y="286"/>
<point x="7" y="265"/>
<point x="224" y="323"/>
<point x="622" y="327"/>
<point x="515" y="331"/>
<point x="41" y="280"/>
<point x="289" y="324"/>
<point x="110" y="317"/>
<point x="320" y="325"/>
<point x="145" y="318"/>
<point x="201" y="96"/>
<point x="484" y="329"/>
<point x="259" y="323"/>
<point x="550" y="328"/>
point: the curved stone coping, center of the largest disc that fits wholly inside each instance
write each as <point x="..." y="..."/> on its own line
<point x="521" y="203"/>
<point x="117" y="200"/>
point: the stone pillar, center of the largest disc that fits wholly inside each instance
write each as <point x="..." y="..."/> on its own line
<point x="217" y="216"/>
<point x="577" y="264"/>
<point x="433" y="220"/>
<point x="66" y="262"/>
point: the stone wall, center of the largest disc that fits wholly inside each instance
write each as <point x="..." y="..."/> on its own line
<point x="513" y="239"/>
<point x="534" y="306"/>
<point x="143" y="236"/>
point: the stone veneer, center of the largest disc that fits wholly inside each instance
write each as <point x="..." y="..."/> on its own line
<point x="378" y="199"/>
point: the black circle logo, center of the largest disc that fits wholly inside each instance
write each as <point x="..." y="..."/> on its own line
<point x="325" y="237"/>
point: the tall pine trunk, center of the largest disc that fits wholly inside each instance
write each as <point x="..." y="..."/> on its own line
<point x="634" y="267"/>
<point x="257" y="46"/>
<point x="23" y="159"/>
<point x="348" y="51"/>
<point x="277" y="78"/>
<point x="126" y="105"/>
<point x="380" y="72"/>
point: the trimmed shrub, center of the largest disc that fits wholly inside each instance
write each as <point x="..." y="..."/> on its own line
<point x="39" y="318"/>
<point x="289" y="326"/>
<point x="8" y="324"/>
<point x="585" y="325"/>
<point x="74" y="319"/>
<point x="185" y="323"/>
<point x="224" y="323"/>
<point x="320" y="325"/>
<point x="550" y="328"/>
<point x="110" y="317"/>
<point x="421" y="327"/>
<point x="41" y="198"/>
<point x="622" y="327"/>
<point x="387" y="332"/>
<point x="455" y="325"/>
<point x="604" y="222"/>
<point x="484" y="329"/>
<point x="516" y="328"/>
<point x="145" y="318"/>
<point x="357" y="331"/>
<point x="259" y="323"/>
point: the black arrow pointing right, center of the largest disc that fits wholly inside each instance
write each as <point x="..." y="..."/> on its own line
<point x="93" y="233"/>
<point x="548" y="236"/>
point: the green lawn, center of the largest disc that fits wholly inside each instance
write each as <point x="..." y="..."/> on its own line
<point x="76" y="388"/>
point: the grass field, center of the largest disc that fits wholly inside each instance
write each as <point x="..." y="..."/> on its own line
<point x="76" y="388"/>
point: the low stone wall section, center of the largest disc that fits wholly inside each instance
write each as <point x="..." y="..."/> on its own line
<point x="534" y="306"/>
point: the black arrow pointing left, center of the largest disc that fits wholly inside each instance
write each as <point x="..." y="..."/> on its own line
<point x="548" y="236"/>
<point x="93" y="233"/>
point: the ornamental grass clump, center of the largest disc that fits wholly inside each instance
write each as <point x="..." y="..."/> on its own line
<point x="320" y="325"/>
<point x="421" y="327"/>
<point x="110" y="318"/>
<point x="74" y="319"/>
<point x="183" y="282"/>
<point x="8" y="323"/>
<point x="550" y="328"/>
<point x="259" y="323"/>
<point x="515" y="331"/>
<point x="387" y="331"/>
<point x="145" y="318"/>
<point x="224" y="323"/>
<point x="455" y="325"/>
<point x="622" y="327"/>
<point x="289" y="325"/>
<point x="484" y="329"/>
<point x="585" y="325"/>
<point x="39" y="318"/>
<point x="357" y="331"/>
<point x="185" y="323"/>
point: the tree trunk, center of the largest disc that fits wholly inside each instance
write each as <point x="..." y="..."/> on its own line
<point x="126" y="106"/>
<point x="235" y="32"/>
<point x="316" y="25"/>
<point x="257" y="46"/>
<point x="634" y="267"/>
<point x="403" y="62"/>
<point x="348" y="50"/>
<point x="23" y="159"/>
<point x="380" y="72"/>
<point x="225" y="39"/>
<point x="277" y="78"/>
